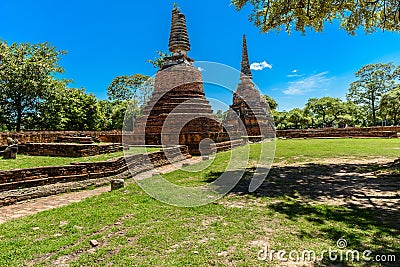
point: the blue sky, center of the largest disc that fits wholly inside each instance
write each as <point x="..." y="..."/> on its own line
<point x="105" y="39"/>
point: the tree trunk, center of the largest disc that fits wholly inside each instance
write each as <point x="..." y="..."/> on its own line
<point x="18" y="104"/>
<point x="373" y="110"/>
<point x="19" y="119"/>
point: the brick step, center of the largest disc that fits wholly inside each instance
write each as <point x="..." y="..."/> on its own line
<point x="42" y="181"/>
<point x="59" y="179"/>
<point x="20" y="178"/>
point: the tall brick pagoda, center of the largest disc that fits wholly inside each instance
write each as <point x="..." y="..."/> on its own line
<point x="248" y="106"/>
<point x="178" y="112"/>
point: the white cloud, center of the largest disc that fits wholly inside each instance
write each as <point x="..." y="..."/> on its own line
<point x="260" y="66"/>
<point x="200" y="69"/>
<point x="294" y="74"/>
<point x="308" y="84"/>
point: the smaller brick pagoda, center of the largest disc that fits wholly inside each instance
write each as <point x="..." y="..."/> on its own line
<point x="249" y="106"/>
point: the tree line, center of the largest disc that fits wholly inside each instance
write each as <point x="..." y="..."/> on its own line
<point x="372" y="100"/>
<point x="33" y="97"/>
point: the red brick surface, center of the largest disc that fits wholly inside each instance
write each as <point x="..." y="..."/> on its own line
<point x="22" y="178"/>
<point x="386" y="132"/>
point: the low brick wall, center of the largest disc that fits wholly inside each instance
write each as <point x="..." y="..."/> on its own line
<point x="23" y="178"/>
<point x="68" y="150"/>
<point x="51" y="136"/>
<point x="224" y="146"/>
<point x="382" y="132"/>
<point x="116" y="136"/>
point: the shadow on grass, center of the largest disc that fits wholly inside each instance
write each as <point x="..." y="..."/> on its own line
<point x="322" y="182"/>
<point x="365" y="203"/>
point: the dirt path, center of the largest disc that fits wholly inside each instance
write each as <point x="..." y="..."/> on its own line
<point x="40" y="204"/>
<point x="346" y="182"/>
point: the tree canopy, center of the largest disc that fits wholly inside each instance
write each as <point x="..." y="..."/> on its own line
<point x="27" y="74"/>
<point x="370" y="15"/>
<point x="297" y="118"/>
<point x="70" y="109"/>
<point x="374" y="80"/>
<point x="136" y="87"/>
<point x="273" y="105"/>
<point x="33" y="97"/>
<point x="390" y="105"/>
<point x="158" y="61"/>
<point x="327" y="109"/>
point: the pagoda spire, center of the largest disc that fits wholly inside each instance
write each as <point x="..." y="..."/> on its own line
<point x="246" y="71"/>
<point x="179" y="44"/>
<point x="179" y="38"/>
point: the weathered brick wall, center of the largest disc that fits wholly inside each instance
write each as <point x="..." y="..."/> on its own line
<point x="22" y="178"/>
<point x="68" y="150"/>
<point x="116" y="136"/>
<point x="40" y="137"/>
<point x="388" y="131"/>
<point x="223" y="146"/>
<point x="50" y="136"/>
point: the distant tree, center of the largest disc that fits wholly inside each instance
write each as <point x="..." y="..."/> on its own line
<point x="353" y="116"/>
<point x="273" y="105"/>
<point x="130" y="94"/>
<point x="119" y="110"/>
<point x="390" y="105"/>
<point x="298" y="119"/>
<point x="374" y="80"/>
<point x="221" y="114"/>
<point x="70" y="109"/>
<point x="301" y="14"/>
<point x="115" y="112"/>
<point x="159" y="61"/>
<point x="50" y="112"/>
<point x="27" y="74"/>
<point x="327" y="109"/>
<point x="106" y="107"/>
<point x="83" y="111"/>
<point x="280" y="119"/>
<point x="136" y="87"/>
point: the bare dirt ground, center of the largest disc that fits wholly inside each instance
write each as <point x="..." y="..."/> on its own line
<point x="335" y="181"/>
<point x="353" y="183"/>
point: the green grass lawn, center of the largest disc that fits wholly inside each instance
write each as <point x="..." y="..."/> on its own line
<point x="300" y="150"/>
<point x="26" y="161"/>
<point x="133" y="229"/>
<point x="136" y="230"/>
<point x="288" y="151"/>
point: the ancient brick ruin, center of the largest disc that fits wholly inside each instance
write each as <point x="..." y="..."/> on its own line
<point x="178" y="112"/>
<point x="349" y="132"/>
<point x="68" y="149"/>
<point x="249" y="107"/>
<point x="54" y="136"/>
<point x="18" y="179"/>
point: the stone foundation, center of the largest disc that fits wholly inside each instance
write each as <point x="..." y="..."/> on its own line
<point x="378" y="132"/>
<point x="24" y="178"/>
<point x="228" y="145"/>
<point x="68" y="150"/>
<point x="116" y="136"/>
<point x="52" y="136"/>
